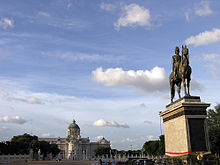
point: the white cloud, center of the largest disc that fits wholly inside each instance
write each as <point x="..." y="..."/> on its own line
<point x="29" y="100"/>
<point x="148" y="81"/>
<point x="3" y="129"/>
<point x="69" y="5"/>
<point x="15" y="120"/>
<point x="6" y="23"/>
<point x="133" y="15"/>
<point x="103" y="123"/>
<point x="151" y="137"/>
<point x="188" y="15"/>
<point x="98" y="138"/>
<point x="128" y="140"/>
<point x="47" y="135"/>
<point x="78" y="56"/>
<point x="195" y="85"/>
<point x="107" y="6"/>
<point x="67" y="24"/>
<point x="203" y="8"/>
<point x="204" y="38"/>
<point x="214" y="58"/>
<point x="45" y="14"/>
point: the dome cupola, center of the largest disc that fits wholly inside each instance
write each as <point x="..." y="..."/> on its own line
<point x="73" y="130"/>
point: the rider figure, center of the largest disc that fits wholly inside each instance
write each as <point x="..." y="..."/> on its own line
<point x="176" y="59"/>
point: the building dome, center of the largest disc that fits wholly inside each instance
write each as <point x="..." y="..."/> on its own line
<point x="73" y="131"/>
<point x="73" y="125"/>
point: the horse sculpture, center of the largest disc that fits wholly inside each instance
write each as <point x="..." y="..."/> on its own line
<point x="184" y="73"/>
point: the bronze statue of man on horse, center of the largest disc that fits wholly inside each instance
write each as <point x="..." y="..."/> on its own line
<point x="181" y="71"/>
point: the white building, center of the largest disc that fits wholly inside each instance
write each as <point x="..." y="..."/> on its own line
<point x="75" y="147"/>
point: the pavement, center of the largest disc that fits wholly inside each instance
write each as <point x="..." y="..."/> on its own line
<point x="63" y="162"/>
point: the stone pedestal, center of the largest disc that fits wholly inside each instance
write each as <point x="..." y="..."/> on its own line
<point x="185" y="126"/>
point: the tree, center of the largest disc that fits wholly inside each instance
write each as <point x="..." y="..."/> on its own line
<point x="44" y="148"/>
<point x="151" y="147"/>
<point x="214" y="129"/>
<point x="155" y="147"/>
<point x="22" y="143"/>
<point x="161" y="149"/>
<point x="102" y="151"/>
<point x="54" y="150"/>
<point x="3" y="148"/>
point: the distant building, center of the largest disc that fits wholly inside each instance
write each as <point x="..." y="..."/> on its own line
<point x="75" y="147"/>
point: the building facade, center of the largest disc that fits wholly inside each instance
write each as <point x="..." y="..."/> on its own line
<point x="75" y="147"/>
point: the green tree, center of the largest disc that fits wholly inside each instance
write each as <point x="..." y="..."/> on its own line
<point x="54" y="150"/>
<point x="3" y="148"/>
<point x="44" y="148"/>
<point x="102" y="151"/>
<point x="21" y="144"/>
<point x="214" y="129"/>
<point x="151" y="147"/>
<point x="155" y="147"/>
<point x="161" y="149"/>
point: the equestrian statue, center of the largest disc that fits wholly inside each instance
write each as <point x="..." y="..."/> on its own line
<point x="181" y="72"/>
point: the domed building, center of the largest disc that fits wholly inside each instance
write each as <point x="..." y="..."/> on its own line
<point x="75" y="147"/>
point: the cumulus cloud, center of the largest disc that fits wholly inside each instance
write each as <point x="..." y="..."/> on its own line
<point x="133" y="15"/>
<point x="107" y="6"/>
<point x="103" y="123"/>
<point x="148" y="81"/>
<point x="203" y="8"/>
<point x="6" y="23"/>
<point x="204" y="38"/>
<point x="15" y="120"/>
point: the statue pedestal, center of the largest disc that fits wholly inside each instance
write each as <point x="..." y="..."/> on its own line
<point x="185" y="126"/>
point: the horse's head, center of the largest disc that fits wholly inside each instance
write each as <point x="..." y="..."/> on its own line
<point x="185" y="50"/>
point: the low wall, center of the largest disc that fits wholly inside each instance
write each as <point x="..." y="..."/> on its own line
<point x="14" y="159"/>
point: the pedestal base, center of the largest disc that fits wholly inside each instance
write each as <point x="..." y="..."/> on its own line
<point x="185" y="126"/>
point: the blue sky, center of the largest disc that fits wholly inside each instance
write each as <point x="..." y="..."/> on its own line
<point x="104" y="63"/>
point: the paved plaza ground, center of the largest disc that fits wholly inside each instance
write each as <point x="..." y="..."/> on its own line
<point x="82" y="162"/>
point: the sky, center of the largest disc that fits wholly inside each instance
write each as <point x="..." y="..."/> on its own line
<point x="103" y="63"/>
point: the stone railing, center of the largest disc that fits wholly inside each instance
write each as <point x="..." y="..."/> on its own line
<point x="14" y="159"/>
<point x="124" y="157"/>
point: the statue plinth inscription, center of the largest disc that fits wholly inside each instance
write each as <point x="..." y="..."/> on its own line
<point x="185" y="126"/>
